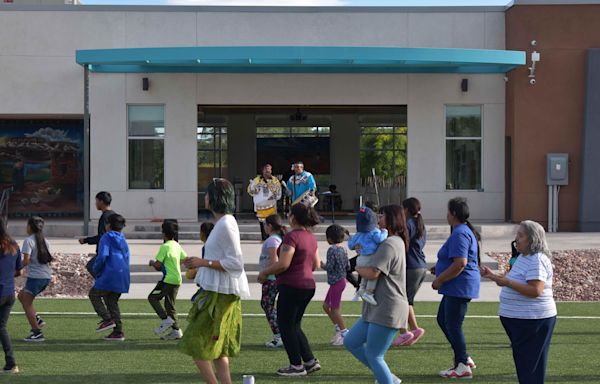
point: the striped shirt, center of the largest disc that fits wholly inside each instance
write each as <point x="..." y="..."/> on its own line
<point x="517" y="306"/>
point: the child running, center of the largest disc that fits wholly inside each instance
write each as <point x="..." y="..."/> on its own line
<point x="268" y="256"/>
<point x="366" y="242"/>
<point x="190" y="274"/>
<point x="37" y="258"/>
<point x="337" y="266"/>
<point x="168" y="260"/>
<point x="111" y="268"/>
<point x="11" y="264"/>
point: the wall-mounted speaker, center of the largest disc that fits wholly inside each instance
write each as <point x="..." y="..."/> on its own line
<point x="464" y="85"/>
<point x="145" y="84"/>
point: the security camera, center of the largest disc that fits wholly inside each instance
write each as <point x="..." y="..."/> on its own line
<point x="533" y="43"/>
<point x="532" y="81"/>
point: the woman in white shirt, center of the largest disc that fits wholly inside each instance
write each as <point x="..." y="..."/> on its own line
<point x="215" y="319"/>
<point x="527" y="309"/>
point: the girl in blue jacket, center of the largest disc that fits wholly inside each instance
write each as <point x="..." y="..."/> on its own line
<point x="111" y="269"/>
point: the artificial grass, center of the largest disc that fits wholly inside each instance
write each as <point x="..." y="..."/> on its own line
<point x="74" y="353"/>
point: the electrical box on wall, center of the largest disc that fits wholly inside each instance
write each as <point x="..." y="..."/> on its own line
<point x="557" y="171"/>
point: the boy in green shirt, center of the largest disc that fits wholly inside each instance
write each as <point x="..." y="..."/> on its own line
<point x="168" y="260"/>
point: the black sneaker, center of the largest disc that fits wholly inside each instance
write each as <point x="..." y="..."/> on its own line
<point x="9" y="369"/>
<point x="34" y="337"/>
<point x="312" y="366"/>
<point x="115" y="336"/>
<point x="105" y="325"/>
<point x="291" y="371"/>
<point x="40" y="321"/>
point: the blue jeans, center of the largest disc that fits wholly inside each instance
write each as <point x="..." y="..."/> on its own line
<point x="450" y="317"/>
<point x="368" y="342"/>
<point x="530" y="342"/>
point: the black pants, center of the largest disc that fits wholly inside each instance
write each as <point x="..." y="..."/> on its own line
<point x="263" y="233"/>
<point x="106" y="305"/>
<point x="6" y="304"/>
<point x="350" y="275"/>
<point x="169" y="293"/>
<point x="291" y="305"/>
<point x="530" y="342"/>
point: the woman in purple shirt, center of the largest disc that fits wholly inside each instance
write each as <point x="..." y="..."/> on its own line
<point x="298" y="258"/>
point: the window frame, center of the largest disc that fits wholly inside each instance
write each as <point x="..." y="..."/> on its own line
<point x="395" y="150"/>
<point x="141" y="138"/>
<point x="456" y="138"/>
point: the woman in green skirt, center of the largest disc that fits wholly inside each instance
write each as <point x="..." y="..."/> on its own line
<point x="214" y="332"/>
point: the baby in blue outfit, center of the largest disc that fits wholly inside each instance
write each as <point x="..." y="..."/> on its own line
<point x="366" y="241"/>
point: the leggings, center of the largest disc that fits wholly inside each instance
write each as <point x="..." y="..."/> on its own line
<point x="368" y="342"/>
<point x="267" y="302"/>
<point x="291" y="305"/>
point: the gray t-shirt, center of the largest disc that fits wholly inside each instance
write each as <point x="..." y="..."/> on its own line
<point x="392" y="305"/>
<point x="35" y="269"/>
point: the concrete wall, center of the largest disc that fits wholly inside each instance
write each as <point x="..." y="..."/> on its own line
<point x="39" y="76"/>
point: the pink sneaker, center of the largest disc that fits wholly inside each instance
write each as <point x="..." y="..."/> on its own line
<point x="403" y="338"/>
<point x="418" y="333"/>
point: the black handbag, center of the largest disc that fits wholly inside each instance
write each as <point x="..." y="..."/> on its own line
<point x="90" y="265"/>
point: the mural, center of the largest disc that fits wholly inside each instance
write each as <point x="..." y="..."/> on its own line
<point x="42" y="161"/>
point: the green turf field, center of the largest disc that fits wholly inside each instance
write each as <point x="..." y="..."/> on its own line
<point x="74" y="353"/>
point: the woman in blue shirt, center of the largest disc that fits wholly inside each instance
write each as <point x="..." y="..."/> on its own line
<point x="457" y="278"/>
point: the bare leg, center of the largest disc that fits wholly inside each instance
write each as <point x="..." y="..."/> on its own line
<point x="222" y="366"/>
<point x="205" y="367"/>
<point x="27" y="301"/>
<point x="412" y="319"/>
<point x="336" y="317"/>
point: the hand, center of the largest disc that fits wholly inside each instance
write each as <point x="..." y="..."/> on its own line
<point x="82" y="240"/>
<point x="261" y="278"/>
<point x="151" y="263"/>
<point x="501" y="281"/>
<point x="487" y="273"/>
<point x="432" y="270"/>
<point x="193" y="262"/>
<point x="436" y="284"/>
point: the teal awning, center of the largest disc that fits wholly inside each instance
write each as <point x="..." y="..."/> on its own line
<point x="298" y="59"/>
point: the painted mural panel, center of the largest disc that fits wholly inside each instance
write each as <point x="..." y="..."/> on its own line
<point x="42" y="160"/>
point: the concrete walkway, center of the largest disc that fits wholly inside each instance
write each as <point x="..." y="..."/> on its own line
<point x="144" y="250"/>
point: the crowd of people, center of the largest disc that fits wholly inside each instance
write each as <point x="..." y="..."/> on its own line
<point x="389" y="242"/>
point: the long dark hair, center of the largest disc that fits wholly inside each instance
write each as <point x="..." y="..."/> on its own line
<point x="304" y="215"/>
<point x="395" y="222"/>
<point x="458" y="208"/>
<point x="413" y="206"/>
<point x="275" y="222"/>
<point x="7" y="244"/>
<point x="36" y="225"/>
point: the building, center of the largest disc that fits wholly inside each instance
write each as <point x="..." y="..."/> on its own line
<point x="178" y="95"/>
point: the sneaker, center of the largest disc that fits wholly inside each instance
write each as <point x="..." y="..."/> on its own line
<point x="461" y="371"/>
<point x="417" y="333"/>
<point x="115" y="336"/>
<point x="291" y="371"/>
<point x="471" y="363"/>
<point x="395" y="380"/>
<point x="34" y="337"/>
<point x="40" y="321"/>
<point x="356" y="296"/>
<point x="105" y="326"/>
<point x="164" y="326"/>
<point x="313" y="366"/>
<point x="369" y="298"/>
<point x="175" y="334"/>
<point x="9" y="370"/>
<point x="275" y="343"/>
<point x="339" y="340"/>
<point x="403" y="339"/>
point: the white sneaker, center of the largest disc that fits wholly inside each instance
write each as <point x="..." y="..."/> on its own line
<point x="471" y="363"/>
<point x="369" y="298"/>
<point x="461" y="371"/>
<point x="175" y="334"/>
<point x="275" y="343"/>
<point x="164" y="326"/>
<point x="339" y="339"/>
<point x="396" y="380"/>
<point x="356" y="296"/>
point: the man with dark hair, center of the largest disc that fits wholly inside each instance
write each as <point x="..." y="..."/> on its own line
<point x="265" y="190"/>
<point x="103" y="200"/>
<point x="301" y="187"/>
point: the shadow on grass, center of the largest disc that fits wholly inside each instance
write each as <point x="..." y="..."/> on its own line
<point x="115" y="378"/>
<point x="69" y="345"/>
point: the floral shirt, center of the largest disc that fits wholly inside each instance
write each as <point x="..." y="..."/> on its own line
<point x="337" y="264"/>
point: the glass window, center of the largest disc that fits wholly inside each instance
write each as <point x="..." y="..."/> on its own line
<point x="146" y="132"/>
<point x="463" y="147"/>
<point x="212" y="154"/>
<point x="383" y="148"/>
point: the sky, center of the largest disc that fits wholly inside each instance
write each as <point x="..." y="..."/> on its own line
<point x="306" y="2"/>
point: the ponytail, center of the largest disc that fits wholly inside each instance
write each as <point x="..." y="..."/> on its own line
<point x="7" y="244"/>
<point x="478" y="238"/>
<point x="413" y="206"/>
<point x="36" y="224"/>
<point x="275" y="222"/>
